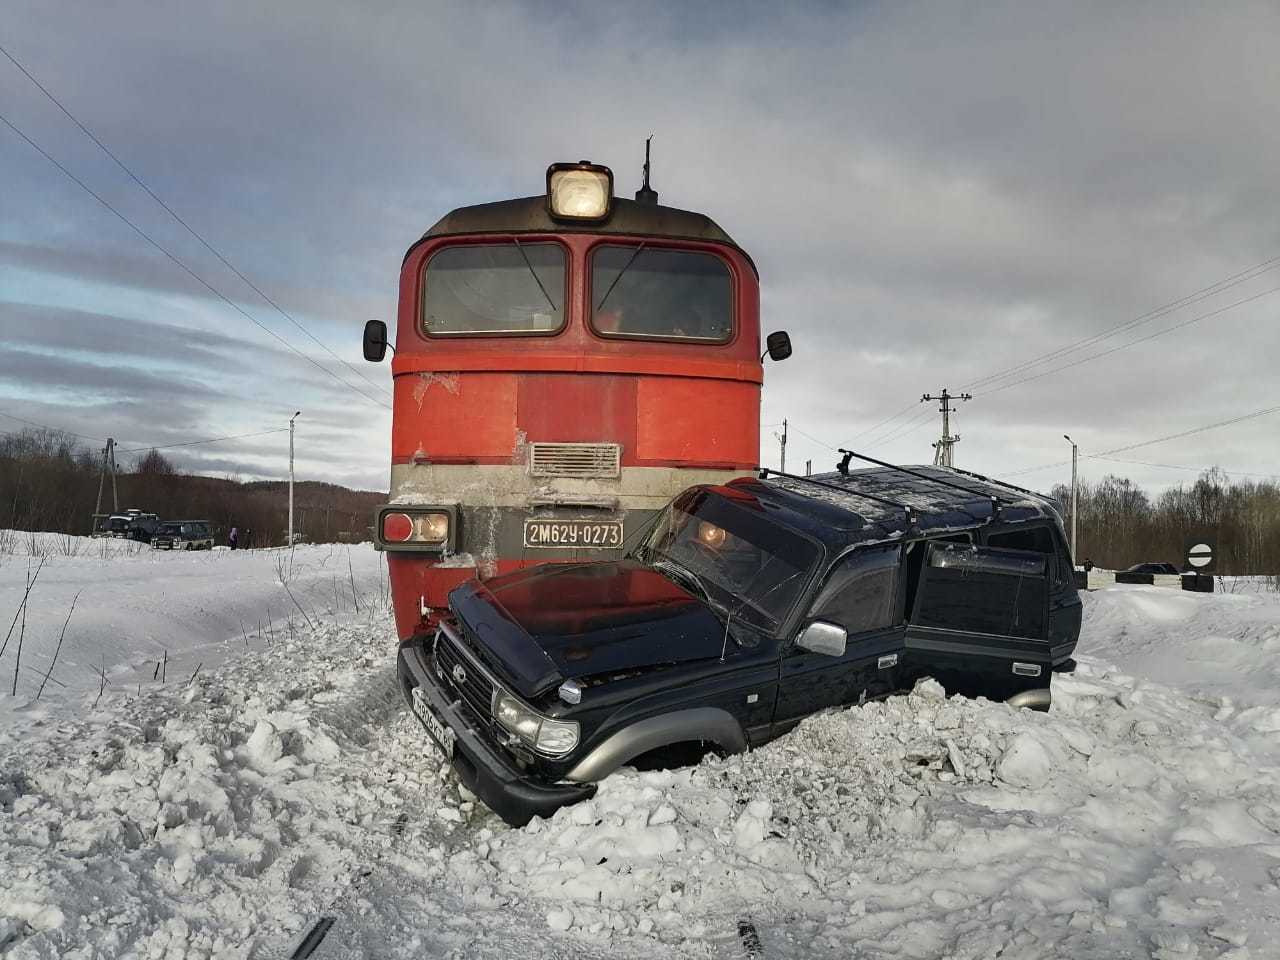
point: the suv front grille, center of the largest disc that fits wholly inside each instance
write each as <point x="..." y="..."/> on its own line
<point x="581" y="460"/>
<point x="475" y="689"/>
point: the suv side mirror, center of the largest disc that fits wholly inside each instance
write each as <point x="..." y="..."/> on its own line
<point x="777" y="345"/>
<point x="375" y="341"/>
<point x="823" y="637"/>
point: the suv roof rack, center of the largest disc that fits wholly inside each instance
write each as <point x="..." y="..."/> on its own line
<point x="766" y="472"/>
<point x="1000" y="483"/>
<point x="843" y="467"/>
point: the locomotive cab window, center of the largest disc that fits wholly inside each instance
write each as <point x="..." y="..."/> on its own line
<point x="494" y="289"/>
<point x="651" y="293"/>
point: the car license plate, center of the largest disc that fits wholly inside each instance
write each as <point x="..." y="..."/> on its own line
<point x="601" y="534"/>
<point x="442" y="735"/>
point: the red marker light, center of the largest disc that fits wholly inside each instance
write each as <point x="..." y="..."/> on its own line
<point x="397" y="527"/>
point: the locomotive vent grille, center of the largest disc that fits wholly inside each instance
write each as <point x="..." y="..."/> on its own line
<point x="582" y="460"/>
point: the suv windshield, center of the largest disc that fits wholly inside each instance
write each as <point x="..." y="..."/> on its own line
<point x="723" y="546"/>
<point x="494" y="288"/>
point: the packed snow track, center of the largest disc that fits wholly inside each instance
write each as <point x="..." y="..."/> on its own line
<point x="223" y="815"/>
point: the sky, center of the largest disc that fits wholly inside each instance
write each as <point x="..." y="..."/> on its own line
<point x="933" y="193"/>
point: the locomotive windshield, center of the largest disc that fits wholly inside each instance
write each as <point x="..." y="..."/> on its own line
<point x="494" y="288"/>
<point x="642" y="291"/>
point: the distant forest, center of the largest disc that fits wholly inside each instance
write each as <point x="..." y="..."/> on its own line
<point x="1121" y="524"/>
<point x="49" y="481"/>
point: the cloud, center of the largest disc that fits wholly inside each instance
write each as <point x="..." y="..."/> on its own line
<point x="932" y="193"/>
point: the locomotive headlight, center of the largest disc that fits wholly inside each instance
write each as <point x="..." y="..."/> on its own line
<point x="579" y="191"/>
<point x="424" y="529"/>
<point x="553" y="738"/>
<point x="432" y="528"/>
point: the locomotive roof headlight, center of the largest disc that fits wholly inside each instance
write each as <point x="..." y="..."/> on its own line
<point x="579" y="191"/>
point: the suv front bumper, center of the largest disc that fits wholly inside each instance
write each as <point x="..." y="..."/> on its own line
<point x="504" y="788"/>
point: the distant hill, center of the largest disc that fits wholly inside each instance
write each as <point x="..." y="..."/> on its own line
<point x="50" y="482"/>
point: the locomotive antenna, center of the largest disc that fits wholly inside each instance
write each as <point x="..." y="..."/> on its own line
<point x="647" y="194"/>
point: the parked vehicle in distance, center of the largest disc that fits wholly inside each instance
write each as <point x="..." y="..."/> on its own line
<point x="183" y="535"/>
<point x="1162" y="568"/>
<point x="130" y="525"/>
<point x="747" y="607"/>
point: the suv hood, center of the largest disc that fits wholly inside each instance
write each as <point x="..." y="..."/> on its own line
<point x="552" y="623"/>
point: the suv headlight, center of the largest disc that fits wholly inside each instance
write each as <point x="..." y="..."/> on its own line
<point x="554" y="738"/>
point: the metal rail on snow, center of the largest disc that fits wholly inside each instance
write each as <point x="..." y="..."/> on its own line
<point x="765" y="472"/>
<point x="843" y="467"/>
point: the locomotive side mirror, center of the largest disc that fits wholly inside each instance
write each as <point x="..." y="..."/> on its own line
<point x="777" y="345"/>
<point x="375" y="341"/>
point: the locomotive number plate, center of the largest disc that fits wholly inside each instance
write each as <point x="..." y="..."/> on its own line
<point x="602" y="534"/>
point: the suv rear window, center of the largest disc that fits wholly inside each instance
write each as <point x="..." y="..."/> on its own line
<point x="658" y="294"/>
<point x="1036" y="540"/>
<point x="982" y="590"/>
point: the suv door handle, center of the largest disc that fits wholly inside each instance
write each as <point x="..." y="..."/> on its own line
<point x="887" y="661"/>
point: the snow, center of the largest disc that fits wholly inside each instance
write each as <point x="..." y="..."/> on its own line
<point x="221" y="816"/>
<point x="138" y="608"/>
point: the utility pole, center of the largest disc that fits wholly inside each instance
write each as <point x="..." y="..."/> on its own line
<point x="291" y="419"/>
<point x="108" y="463"/>
<point x="942" y="456"/>
<point x="1074" y="497"/>
<point x="782" y="440"/>
<point x="808" y="468"/>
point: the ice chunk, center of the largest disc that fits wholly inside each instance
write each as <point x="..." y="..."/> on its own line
<point x="265" y="746"/>
<point x="1026" y="763"/>
<point x="752" y="825"/>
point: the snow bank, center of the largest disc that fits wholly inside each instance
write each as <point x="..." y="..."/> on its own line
<point x="135" y="606"/>
<point x="1224" y="648"/>
<point x="927" y="827"/>
<point x="221" y="817"/>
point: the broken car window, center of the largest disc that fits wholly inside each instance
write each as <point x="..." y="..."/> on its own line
<point x="981" y="590"/>
<point x="748" y="565"/>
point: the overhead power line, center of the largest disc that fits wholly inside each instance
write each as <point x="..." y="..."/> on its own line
<point x="912" y="406"/>
<point x="1177" y="466"/>
<point x="1195" y="297"/>
<point x="1148" y="443"/>
<point x="45" y="426"/>
<point x="192" y="443"/>
<point x="1131" y="343"/>
<point x="810" y="436"/>
<point x="186" y="269"/>
<point x="911" y="425"/>
<point x="143" y="449"/>
<point x="169" y="210"/>
<point x="1194" y="430"/>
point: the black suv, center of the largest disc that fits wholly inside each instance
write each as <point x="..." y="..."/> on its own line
<point x="746" y="608"/>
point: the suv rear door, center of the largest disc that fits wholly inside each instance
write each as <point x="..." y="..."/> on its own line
<point x="980" y="620"/>
<point x="1064" y="601"/>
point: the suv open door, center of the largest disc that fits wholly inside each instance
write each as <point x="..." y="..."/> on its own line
<point x="979" y="623"/>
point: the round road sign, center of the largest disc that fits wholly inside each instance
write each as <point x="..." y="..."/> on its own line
<point x="1200" y="555"/>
